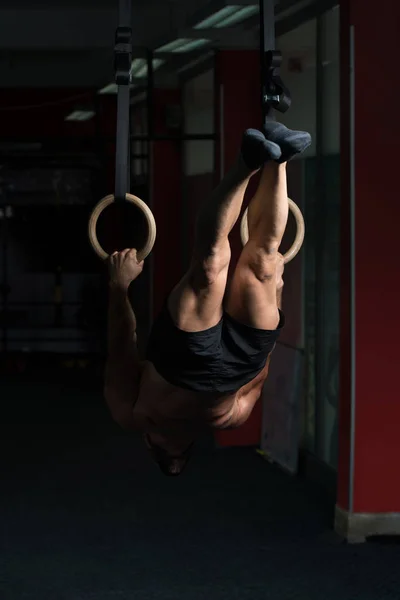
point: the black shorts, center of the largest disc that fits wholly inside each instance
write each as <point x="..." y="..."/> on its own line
<point x="221" y="359"/>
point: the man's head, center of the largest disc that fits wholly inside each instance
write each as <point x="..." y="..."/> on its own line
<point x="171" y="465"/>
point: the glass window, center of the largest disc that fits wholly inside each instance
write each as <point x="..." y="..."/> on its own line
<point x="311" y="72"/>
<point x="299" y="73"/>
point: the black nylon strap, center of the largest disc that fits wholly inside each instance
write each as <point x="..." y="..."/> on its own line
<point x="125" y="13"/>
<point x="267" y="25"/>
<point x="275" y="94"/>
<point x="267" y="43"/>
<point x="122" y="166"/>
<point x="122" y="66"/>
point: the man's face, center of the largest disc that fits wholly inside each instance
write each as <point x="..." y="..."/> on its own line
<point x="170" y="465"/>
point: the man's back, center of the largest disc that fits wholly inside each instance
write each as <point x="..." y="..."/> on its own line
<point x="168" y="410"/>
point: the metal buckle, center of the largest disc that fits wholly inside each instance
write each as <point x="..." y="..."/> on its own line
<point x="123" y="55"/>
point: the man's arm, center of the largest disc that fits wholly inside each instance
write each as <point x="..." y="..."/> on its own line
<point x="122" y="376"/>
<point x="123" y="369"/>
<point x="121" y="327"/>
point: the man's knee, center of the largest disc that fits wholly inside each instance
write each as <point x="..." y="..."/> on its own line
<point x="261" y="261"/>
<point x="209" y="264"/>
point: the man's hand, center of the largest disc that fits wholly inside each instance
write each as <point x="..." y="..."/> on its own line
<point x="124" y="268"/>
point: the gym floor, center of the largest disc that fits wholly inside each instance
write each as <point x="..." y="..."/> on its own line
<point x="85" y="515"/>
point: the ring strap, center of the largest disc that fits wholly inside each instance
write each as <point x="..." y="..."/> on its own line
<point x="122" y="67"/>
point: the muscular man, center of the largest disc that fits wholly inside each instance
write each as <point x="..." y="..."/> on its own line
<point x="210" y="347"/>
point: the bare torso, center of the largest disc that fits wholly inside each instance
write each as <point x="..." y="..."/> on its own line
<point x="174" y="417"/>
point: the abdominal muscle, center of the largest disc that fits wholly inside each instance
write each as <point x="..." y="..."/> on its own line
<point x="166" y="410"/>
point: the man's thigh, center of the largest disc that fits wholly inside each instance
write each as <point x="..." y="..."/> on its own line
<point x="251" y="298"/>
<point x="195" y="304"/>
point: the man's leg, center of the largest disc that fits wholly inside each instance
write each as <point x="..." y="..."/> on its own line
<point x="253" y="292"/>
<point x="252" y="297"/>
<point x="196" y="302"/>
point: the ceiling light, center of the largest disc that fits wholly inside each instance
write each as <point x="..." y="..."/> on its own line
<point x="173" y="46"/>
<point x="216" y="17"/>
<point x="139" y="66"/>
<point x="80" y="115"/>
<point x="138" y="71"/>
<point x="241" y="15"/>
<point x="183" y="45"/>
<point x="111" y="88"/>
<point x="194" y="45"/>
<point x="229" y="15"/>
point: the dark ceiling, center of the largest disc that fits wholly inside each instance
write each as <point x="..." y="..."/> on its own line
<point x="69" y="43"/>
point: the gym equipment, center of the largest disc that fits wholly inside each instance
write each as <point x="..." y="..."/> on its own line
<point x="275" y="96"/>
<point x="150" y="235"/>
<point x="122" y="68"/>
<point x="298" y="240"/>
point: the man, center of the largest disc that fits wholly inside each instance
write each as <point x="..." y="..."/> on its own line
<point x="210" y="348"/>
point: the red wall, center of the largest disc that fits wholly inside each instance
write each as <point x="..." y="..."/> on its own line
<point x="377" y="209"/>
<point x="32" y="113"/>
<point x="36" y="114"/>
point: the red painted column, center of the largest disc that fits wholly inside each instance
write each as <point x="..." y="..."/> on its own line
<point x="166" y="176"/>
<point x="369" y="445"/>
<point x="238" y="100"/>
<point x="345" y="398"/>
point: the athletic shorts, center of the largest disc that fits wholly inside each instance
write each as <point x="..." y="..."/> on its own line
<point x="220" y="360"/>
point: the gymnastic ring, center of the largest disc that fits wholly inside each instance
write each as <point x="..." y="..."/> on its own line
<point x="151" y="226"/>
<point x="300" y="231"/>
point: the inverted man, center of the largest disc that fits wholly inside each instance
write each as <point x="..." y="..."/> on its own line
<point x="210" y="347"/>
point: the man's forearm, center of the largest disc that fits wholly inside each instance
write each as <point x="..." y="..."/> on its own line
<point x="122" y="372"/>
<point x="121" y="322"/>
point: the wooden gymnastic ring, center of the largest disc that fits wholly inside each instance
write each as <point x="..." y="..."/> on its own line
<point x="142" y="253"/>
<point x="300" y="231"/>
